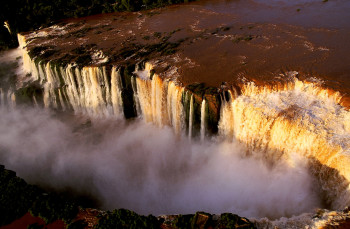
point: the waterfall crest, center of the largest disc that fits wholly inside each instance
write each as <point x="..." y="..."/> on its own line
<point x="273" y="122"/>
<point x="95" y="91"/>
<point x="160" y="100"/>
<point x="300" y="118"/>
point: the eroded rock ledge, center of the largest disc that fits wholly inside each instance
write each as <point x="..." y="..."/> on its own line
<point x="49" y="208"/>
<point x="234" y="79"/>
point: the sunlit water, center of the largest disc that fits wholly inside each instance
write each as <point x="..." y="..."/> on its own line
<point x="149" y="168"/>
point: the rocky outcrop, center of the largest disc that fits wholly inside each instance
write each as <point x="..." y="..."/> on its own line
<point x="17" y="198"/>
<point x="171" y="77"/>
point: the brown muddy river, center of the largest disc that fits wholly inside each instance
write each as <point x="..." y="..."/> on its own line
<point x="307" y="13"/>
<point x="217" y="43"/>
<point x="221" y="41"/>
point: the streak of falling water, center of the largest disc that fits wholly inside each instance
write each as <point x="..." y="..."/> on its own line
<point x="2" y="97"/>
<point x="190" y="121"/>
<point x="116" y="93"/>
<point x="136" y="95"/>
<point x="300" y="119"/>
<point x="203" y="117"/>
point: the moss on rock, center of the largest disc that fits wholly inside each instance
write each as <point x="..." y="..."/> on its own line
<point x="127" y="219"/>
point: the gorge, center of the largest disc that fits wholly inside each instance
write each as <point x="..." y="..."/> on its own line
<point x="214" y="113"/>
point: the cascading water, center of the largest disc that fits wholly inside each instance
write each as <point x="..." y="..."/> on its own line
<point x="10" y="67"/>
<point x="274" y="123"/>
<point x="116" y="93"/>
<point x="2" y="97"/>
<point x="190" y="121"/>
<point x="160" y="101"/>
<point x="85" y="90"/>
<point x="301" y="118"/>
<point x="203" y="117"/>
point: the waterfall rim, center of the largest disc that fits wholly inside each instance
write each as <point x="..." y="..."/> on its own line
<point x="237" y="67"/>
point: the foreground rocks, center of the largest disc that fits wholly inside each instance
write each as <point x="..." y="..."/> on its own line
<point x="18" y="198"/>
<point x="23" y="205"/>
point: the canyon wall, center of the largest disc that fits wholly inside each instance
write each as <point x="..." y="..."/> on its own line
<point x="289" y="119"/>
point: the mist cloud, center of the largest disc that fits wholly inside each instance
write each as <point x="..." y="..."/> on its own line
<point x="135" y="165"/>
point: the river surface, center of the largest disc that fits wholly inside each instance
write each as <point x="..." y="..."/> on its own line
<point x="115" y="163"/>
<point x="217" y="41"/>
<point x="153" y="170"/>
<point x="307" y="13"/>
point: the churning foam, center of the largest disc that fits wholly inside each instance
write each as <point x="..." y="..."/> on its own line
<point x="301" y="118"/>
<point x="160" y="100"/>
<point x="278" y="122"/>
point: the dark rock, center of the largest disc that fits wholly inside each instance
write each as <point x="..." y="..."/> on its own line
<point x="183" y="221"/>
<point x="129" y="106"/>
<point x="229" y="220"/>
<point x="26" y="94"/>
<point x="202" y="220"/>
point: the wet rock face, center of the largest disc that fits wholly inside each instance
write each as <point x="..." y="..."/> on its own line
<point x="129" y="106"/>
<point x="203" y="220"/>
<point x="206" y="45"/>
<point x="25" y="95"/>
<point x="211" y="95"/>
<point x="184" y="87"/>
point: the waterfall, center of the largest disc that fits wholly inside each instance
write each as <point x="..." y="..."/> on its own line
<point x="7" y="98"/>
<point x="299" y="118"/>
<point x="277" y="122"/>
<point x="159" y="100"/>
<point x="190" y="120"/>
<point x="2" y="97"/>
<point x="135" y="95"/>
<point x="203" y="124"/>
<point x="226" y="117"/>
<point x="273" y="122"/>
<point x="11" y="99"/>
<point x="116" y="92"/>
<point x="151" y="95"/>
<point x="98" y="92"/>
<point x="89" y="90"/>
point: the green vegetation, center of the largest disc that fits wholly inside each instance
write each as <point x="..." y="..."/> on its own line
<point x="228" y="220"/>
<point x="80" y="224"/>
<point x="17" y="198"/>
<point x="51" y="207"/>
<point x="35" y="226"/>
<point x="183" y="221"/>
<point x="123" y="218"/>
<point x="25" y="94"/>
